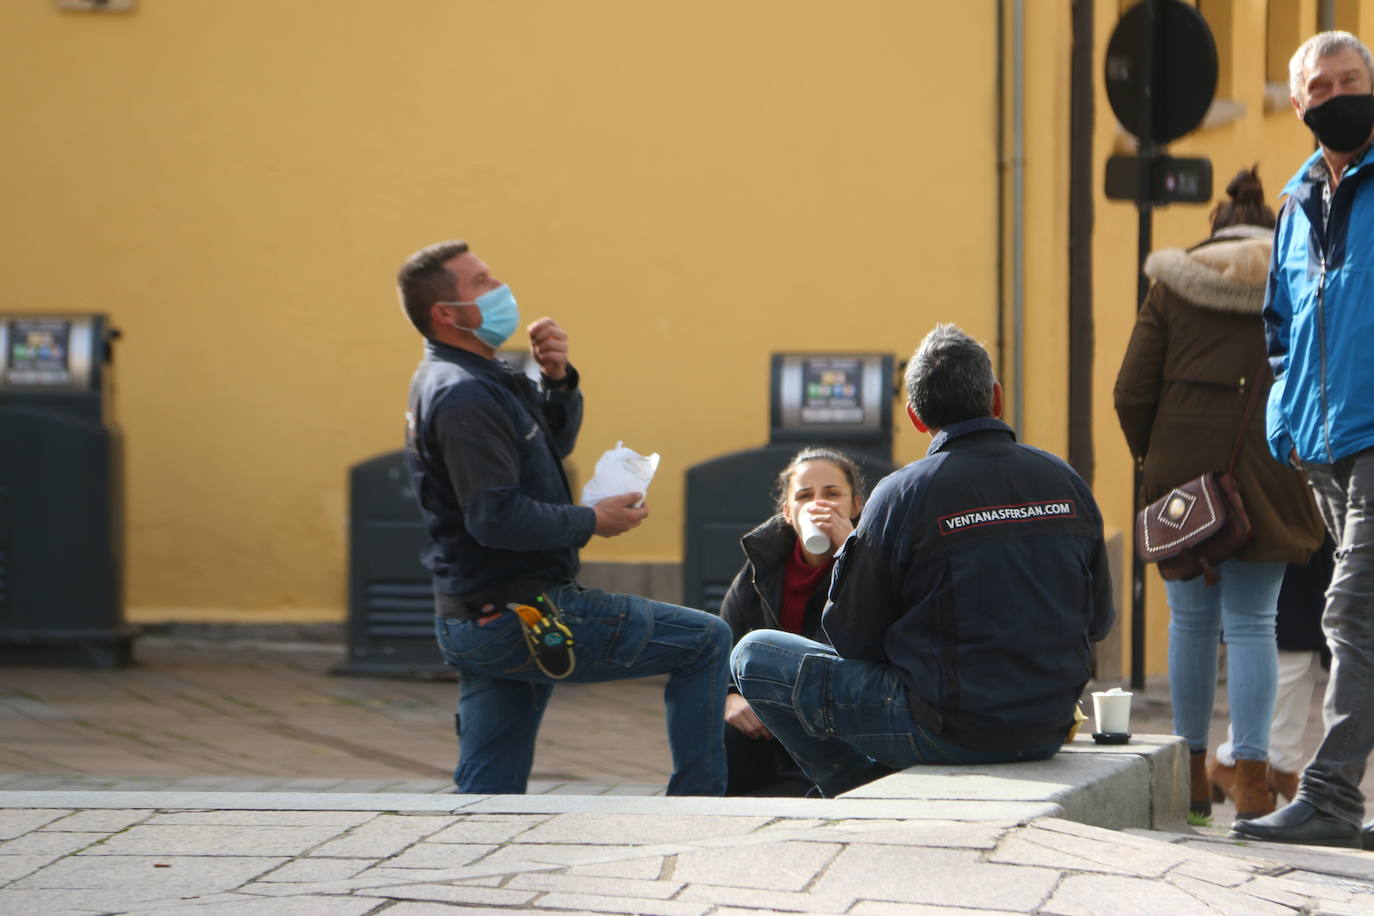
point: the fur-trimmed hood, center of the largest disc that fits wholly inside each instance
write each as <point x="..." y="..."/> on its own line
<point x="1226" y="273"/>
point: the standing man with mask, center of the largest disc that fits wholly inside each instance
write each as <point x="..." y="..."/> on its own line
<point x="485" y="446"/>
<point x="1319" y="319"/>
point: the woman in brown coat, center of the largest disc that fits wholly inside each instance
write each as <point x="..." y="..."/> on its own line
<point x="1197" y="347"/>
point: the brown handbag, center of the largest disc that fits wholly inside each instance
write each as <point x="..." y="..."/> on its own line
<point x="1197" y="524"/>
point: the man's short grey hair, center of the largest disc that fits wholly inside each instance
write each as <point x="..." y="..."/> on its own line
<point x="1320" y="45"/>
<point x="949" y="378"/>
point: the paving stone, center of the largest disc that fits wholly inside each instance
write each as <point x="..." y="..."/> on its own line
<point x="1092" y="895"/>
<point x="453" y="893"/>
<point x="1220" y="874"/>
<point x="768" y="808"/>
<point x="97" y="821"/>
<point x="409" y="908"/>
<point x="14" y="823"/>
<point x="772" y="901"/>
<point x="765" y="866"/>
<point x="1286" y="893"/>
<point x="633" y="830"/>
<point x="605" y="887"/>
<point x="642" y="869"/>
<point x="1100" y="853"/>
<point x="476" y="829"/>
<point x="893" y="873"/>
<point x="42" y="843"/>
<point x="877" y="908"/>
<point x="935" y="834"/>
<point x="252" y="801"/>
<point x="118" y="882"/>
<point x="309" y="869"/>
<point x="438" y="855"/>
<point x="630" y="905"/>
<point x="1349" y="863"/>
<point x="341" y="819"/>
<point x="1353" y="908"/>
<point x="1227" y="901"/>
<point x="382" y="836"/>
<point x="246" y="905"/>
<point x="205" y="840"/>
<point x="573" y="854"/>
<point x="14" y="867"/>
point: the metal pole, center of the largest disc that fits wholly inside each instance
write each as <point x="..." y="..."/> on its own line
<point x="1145" y="207"/>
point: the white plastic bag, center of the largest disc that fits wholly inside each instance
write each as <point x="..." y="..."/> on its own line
<point x="620" y="470"/>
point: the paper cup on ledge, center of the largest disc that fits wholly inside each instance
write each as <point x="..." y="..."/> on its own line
<point x="1112" y="716"/>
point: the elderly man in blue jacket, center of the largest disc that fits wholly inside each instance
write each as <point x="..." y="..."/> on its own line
<point x="961" y="609"/>
<point x="486" y="449"/>
<point x="1319" y="318"/>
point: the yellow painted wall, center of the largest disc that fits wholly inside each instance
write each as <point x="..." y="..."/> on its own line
<point x="685" y="187"/>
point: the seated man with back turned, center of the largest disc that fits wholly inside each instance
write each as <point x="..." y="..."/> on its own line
<point x="961" y="609"/>
<point x="486" y="448"/>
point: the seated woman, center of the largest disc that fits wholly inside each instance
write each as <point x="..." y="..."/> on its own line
<point x="783" y="587"/>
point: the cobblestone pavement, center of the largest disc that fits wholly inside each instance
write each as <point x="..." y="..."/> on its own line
<point x="408" y="855"/>
<point x="361" y="819"/>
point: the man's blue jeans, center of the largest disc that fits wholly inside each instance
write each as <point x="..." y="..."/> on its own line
<point x="502" y="695"/>
<point x="844" y="720"/>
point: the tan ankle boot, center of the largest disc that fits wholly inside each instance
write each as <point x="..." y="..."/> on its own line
<point x="1199" y="793"/>
<point x="1222" y="778"/>
<point x="1252" y="796"/>
<point x="1283" y="783"/>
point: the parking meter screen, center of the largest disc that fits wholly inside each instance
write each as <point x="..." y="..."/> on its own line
<point x="832" y="391"/>
<point x="38" y="352"/>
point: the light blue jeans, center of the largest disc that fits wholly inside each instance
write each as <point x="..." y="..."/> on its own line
<point x="1243" y="605"/>
<point x="502" y="695"/>
<point x="844" y="720"/>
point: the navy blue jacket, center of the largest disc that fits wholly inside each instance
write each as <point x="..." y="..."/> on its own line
<point x="486" y="448"/>
<point x="980" y="573"/>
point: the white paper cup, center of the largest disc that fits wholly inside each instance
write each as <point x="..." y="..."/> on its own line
<point x="814" y="540"/>
<point x="1112" y="712"/>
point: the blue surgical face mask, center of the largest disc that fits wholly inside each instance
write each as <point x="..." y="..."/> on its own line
<point x="500" y="316"/>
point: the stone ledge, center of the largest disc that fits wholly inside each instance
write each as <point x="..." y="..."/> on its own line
<point x="1143" y="784"/>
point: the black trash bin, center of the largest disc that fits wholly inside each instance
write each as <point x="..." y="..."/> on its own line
<point x="61" y="495"/>
<point x="390" y="593"/>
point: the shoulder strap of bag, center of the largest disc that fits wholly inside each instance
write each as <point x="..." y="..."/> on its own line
<point x="1256" y="385"/>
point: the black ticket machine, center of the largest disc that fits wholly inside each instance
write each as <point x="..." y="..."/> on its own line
<point x="841" y="400"/>
<point x="61" y="494"/>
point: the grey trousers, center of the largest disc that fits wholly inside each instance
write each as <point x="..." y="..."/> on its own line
<point x="1331" y="781"/>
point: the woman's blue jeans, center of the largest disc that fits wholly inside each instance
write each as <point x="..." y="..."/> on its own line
<point x="844" y="720"/>
<point x="1243" y="606"/>
<point x="502" y="695"/>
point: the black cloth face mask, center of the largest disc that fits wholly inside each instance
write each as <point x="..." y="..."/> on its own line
<point x="1342" y="123"/>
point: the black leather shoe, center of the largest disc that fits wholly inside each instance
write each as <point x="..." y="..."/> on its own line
<point x="1367" y="836"/>
<point x="1299" y="822"/>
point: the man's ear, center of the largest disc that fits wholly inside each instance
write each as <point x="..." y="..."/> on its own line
<point x="916" y="421"/>
<point x="997" y="400"/>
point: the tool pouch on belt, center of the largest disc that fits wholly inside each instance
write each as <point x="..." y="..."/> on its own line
<point x="549" y="640"/>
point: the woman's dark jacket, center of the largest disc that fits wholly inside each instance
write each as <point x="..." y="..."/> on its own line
<point x="755" y="597"/>
<point x="1197" y="343"/>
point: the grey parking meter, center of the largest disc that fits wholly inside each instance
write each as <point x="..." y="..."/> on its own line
<point x="61" y="494"/>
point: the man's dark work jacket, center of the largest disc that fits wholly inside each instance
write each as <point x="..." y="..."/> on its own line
<point x="980" y="573"/>
<point x="486" y="446"/>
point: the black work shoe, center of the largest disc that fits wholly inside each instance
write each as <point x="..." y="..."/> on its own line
<point x="1367" y="836"/>
<point x="1299" y="822"/>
